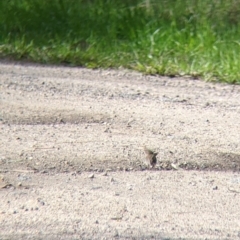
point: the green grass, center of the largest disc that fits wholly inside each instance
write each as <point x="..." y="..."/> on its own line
<point x="200" y="38"/>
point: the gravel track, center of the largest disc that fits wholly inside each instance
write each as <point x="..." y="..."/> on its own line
<point x="72" y="161"/>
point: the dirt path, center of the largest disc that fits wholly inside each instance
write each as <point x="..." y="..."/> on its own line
<point x="62" y="129"/>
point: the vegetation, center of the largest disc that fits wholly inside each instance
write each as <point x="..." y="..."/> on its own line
<point x="200" y="38"/>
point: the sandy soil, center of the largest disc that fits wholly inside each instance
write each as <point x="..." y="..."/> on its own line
<point x="72" y="161"/>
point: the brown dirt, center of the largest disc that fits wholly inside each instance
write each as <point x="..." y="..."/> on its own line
<point x="58" y="124"/>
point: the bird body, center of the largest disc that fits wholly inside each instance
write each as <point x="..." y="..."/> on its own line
<point x="151" y="156"/>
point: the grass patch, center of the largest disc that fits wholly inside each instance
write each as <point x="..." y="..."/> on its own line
<point x="167" y="37"/>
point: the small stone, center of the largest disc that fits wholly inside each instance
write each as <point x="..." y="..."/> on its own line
<point x="107" y="130"/>
<point x="207" y="104"/>
<point x="91" y="175"/>
<point x="105" y="174"/>
<point x="116" y="234"/>
<point x="41" y="201"/>
<point x="174" y="166"/>
<point x="142" y="167"/>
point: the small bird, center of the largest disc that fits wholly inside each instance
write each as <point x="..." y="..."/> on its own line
<point x="151" y="156"/>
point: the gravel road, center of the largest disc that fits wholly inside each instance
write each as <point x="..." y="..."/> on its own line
<point x="72" y="164"/>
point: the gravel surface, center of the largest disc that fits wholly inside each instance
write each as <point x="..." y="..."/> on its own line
<point x="72" y="161"/>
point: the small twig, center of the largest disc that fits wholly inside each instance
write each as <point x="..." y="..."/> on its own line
<point x="233" y="190"/>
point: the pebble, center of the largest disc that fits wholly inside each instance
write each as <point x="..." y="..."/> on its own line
<point x="19" y="184"/>
<point x="91" y="175"/>
<point x="112" y="180"/>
